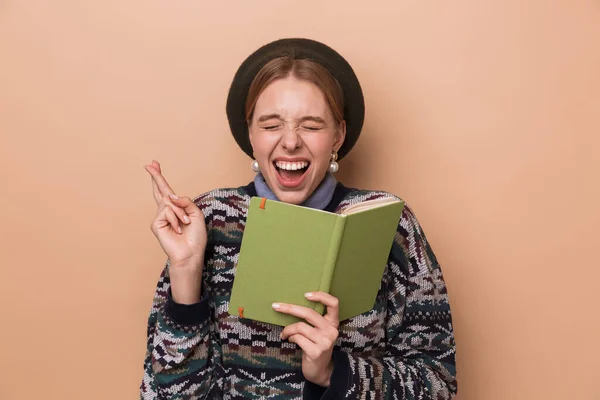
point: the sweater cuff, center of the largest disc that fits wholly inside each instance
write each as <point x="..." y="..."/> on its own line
<point x="338" y="384"/>
<point x="188" y="314"/>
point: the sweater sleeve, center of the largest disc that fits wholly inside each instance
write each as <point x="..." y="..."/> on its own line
<point x="419" y="357"/>
<point x="180" y="356"/>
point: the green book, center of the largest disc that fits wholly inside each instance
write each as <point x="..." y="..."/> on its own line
<point x="288" y="250"/>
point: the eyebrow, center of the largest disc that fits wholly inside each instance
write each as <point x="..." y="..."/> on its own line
<point x="313" y="118"/>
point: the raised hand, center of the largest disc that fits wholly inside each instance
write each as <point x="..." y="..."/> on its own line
<point x="181" y="231"/>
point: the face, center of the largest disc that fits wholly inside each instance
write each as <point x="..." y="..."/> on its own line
<point x="293" y="133"/>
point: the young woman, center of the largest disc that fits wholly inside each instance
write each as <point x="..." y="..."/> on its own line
<point x="296" y="107"/>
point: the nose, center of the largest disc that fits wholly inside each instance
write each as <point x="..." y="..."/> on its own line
<point x="290" y="139"/>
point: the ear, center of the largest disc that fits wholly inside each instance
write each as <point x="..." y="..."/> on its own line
<point x="340" y="136"/>
<point x="250" y="137"/>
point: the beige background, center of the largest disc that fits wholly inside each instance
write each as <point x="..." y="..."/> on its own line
<point x="483" y="115"/>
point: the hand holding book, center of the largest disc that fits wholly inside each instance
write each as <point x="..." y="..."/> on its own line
<point x="317" y="339"/>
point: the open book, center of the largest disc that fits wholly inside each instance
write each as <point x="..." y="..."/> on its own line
<point x="288" y="250"/>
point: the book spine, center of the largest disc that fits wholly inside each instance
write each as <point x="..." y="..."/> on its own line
<point x="331" y="260"/>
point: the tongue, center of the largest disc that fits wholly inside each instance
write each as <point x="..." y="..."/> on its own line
<point x="291" y="175"/>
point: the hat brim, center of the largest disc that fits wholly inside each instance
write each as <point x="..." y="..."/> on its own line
<point x="297" y="48"/>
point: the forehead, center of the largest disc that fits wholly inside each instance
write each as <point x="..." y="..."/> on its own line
<point x="292" y="98"/>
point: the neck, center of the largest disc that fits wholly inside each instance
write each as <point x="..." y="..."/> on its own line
<point x="319" y="199"/>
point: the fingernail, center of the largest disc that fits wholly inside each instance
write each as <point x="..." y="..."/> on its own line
<point x="179" y="229"/>
<point x="173" y="196"/>
<point x="276" y="306"/>
<point x="186" y="219"/>
<point x="309" y="294"/>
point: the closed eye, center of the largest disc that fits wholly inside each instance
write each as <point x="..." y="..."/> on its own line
<point x="270" y="127"/>
<point x="312" y="128"/>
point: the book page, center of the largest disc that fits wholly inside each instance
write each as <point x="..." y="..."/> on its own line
<point x="369" y="204"/>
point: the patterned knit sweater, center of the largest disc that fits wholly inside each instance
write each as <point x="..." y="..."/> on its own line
<point x="401" y="349"/>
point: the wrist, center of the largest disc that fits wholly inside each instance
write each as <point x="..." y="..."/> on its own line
<point x="325" y="380"/>
<point x="185" y="296"/>
<point x="189" y="264"/>
<point x="186" y="282"/>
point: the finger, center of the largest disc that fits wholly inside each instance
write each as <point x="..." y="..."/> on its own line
<point x="179" y="212"/>
<point x="307" y="346"/>
<point x="156" y="165"/>
<point x="332" y="303"/>
<point x="161" y="221"/>
<point x="310" y="315"/>
<point x="187" y="205"/>
<point x="170" y="216"/>
<point x="301" y="328"/>
<point x="155" y="190"/>
<point x="163" y="186"/>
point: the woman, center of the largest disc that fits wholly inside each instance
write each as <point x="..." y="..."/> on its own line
<point x="295" y="106"/>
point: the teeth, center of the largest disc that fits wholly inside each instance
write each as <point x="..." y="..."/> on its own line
<point x="291" y="166"/>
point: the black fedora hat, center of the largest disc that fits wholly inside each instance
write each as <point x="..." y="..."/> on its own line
<point x="297" y="48"/>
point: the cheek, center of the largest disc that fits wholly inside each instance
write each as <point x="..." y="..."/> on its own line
<point x="264" y="143"/>
<point x="322" y="150"/>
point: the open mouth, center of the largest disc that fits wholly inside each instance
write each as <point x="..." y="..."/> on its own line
<point x="291" y="173"/>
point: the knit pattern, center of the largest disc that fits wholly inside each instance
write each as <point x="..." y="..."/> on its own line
<point x="401" y="349"/>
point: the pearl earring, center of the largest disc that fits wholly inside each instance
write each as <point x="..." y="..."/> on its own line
<point x="255" y="166"/>
<point x="333" y="165"/>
